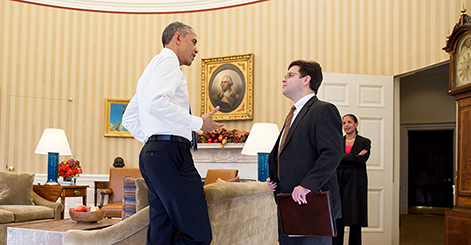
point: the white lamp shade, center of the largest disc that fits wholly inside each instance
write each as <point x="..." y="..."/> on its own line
<point x="261" y="139"/>
<point x="53" y="140"/>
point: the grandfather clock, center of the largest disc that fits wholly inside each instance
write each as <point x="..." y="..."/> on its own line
<point x="458" y="45"/>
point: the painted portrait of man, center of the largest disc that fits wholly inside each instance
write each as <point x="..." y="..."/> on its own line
<point x="227" y="87"/>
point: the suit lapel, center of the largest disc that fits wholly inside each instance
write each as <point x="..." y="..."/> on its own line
<point x="356" y="147"/>
<point x="298" y="119"/>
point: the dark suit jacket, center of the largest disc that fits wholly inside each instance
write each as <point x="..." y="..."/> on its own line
<point x="311" y="152"/>
<point x="353" y="183"/>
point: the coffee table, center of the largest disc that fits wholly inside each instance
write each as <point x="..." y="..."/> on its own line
<point x="50" y="232"/>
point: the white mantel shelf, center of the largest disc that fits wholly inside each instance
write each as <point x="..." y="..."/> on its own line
<point x="230" y="153"/>
<point x="212" y="156"/>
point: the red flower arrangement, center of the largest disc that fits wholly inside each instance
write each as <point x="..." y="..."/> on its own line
<point x="222" y="136"/>
<point x="68" y="169"/>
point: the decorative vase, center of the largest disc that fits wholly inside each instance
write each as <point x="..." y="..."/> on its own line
<point x="66" y="181"/>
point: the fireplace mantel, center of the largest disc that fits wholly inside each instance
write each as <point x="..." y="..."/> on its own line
<point x="212" y="156"/>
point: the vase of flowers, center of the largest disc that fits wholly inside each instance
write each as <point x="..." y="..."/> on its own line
<point x="69" y="170"/>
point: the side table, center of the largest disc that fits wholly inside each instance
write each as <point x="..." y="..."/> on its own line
<point x="100" y="185"/>
<point x="52" y="193"/>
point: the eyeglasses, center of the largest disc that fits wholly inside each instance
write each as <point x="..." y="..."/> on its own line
<point x="291" y="74"/>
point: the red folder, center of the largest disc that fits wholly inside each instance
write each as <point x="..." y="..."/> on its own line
<point x="315" y="218"/>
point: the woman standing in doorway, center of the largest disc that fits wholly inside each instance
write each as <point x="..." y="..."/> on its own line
<point x="353" y="183"/>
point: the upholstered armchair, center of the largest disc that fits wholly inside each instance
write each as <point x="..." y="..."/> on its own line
<point x="19" y="204"/>
<point x="115" y="191"/>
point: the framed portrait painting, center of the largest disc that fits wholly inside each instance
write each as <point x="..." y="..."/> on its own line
<point x="227" y="82"/>
<point x="114" y="110"/>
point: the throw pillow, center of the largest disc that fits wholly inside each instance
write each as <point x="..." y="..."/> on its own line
<point x="16" y="188"/>
<point x="129" y="197"/>
<point x="142" y="200"/>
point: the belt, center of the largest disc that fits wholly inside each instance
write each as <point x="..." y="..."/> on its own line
<point x="167" y="137"/>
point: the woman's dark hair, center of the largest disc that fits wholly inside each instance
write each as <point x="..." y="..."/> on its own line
<point x="355" y="119"/>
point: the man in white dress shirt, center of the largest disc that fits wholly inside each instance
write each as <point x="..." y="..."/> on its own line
<point x="159" y="115"/>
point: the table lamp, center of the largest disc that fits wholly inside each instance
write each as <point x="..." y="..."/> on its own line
<point x="261" y="140"/>
<point x="53" y="142"/>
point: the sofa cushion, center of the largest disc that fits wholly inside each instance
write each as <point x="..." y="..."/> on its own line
<point x="24" y="213"/>
<point x="6" y="216"/>
<point x="129" y="197"/>
<point x="16" y="188"/>
<point x="142" y="200"/>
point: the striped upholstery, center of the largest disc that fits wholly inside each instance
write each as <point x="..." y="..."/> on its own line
<point x="129" y="197"/>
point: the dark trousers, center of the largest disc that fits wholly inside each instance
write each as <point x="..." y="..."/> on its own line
<point x="176" y="196"/>
<point x="354" y="237"/>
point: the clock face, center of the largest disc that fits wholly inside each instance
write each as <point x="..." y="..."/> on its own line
<point x="463" y="69"/>
<point x="462" y="61"/>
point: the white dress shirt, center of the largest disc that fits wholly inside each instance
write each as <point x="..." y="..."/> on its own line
<point x="161" y="103"/>
<point x="300" y="104"/>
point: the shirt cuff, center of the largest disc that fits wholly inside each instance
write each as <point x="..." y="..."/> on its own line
<point x="196" y="123"/>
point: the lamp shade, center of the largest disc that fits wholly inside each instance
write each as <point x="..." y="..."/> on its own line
<point x="261" y="139"/>
<point x="53" y="140"/>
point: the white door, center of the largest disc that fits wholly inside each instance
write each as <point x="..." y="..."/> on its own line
<point x="370" y="98"/>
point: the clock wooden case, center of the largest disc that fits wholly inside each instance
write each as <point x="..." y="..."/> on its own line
<point x="458" y="45"/>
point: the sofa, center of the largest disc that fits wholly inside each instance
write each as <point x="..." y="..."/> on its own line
<point x="19" y="204"/>
<point x="240" y="213"/>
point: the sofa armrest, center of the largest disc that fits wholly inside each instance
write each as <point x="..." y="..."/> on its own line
<point x="38" y="200"/>
<point x="132" y="230"/>
<point x="242" y="213"/>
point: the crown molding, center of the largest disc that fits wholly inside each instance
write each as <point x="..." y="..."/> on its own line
<point x="143" y="6"/>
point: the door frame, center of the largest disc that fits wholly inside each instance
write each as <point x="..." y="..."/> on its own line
<point x="404" y="162"/>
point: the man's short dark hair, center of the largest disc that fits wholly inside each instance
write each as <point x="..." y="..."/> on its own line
<point x="173" y="28"/>
<point x="312" y="69"/>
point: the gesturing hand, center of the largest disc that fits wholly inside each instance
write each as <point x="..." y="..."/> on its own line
<point x="208" y="123"/>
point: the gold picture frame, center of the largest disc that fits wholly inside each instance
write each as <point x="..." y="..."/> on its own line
<point x="114" y="110"/>
<point x="235" y="97"/>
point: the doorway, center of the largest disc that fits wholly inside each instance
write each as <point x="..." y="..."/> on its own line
<point x="424" y="109"/>
<point x="430" y="170"/>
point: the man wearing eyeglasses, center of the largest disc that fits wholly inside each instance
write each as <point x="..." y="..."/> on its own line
<point x="309" y="148"/>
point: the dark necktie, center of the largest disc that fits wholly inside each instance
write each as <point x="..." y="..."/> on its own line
<point x="289" y="118"/>
<point x="194" y="139"/>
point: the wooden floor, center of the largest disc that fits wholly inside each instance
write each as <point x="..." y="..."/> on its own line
<point x="422" y="229"/>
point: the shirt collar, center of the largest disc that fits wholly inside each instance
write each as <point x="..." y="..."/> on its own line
<point x="168" y="51"/>
<point x="301" y="102"/>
